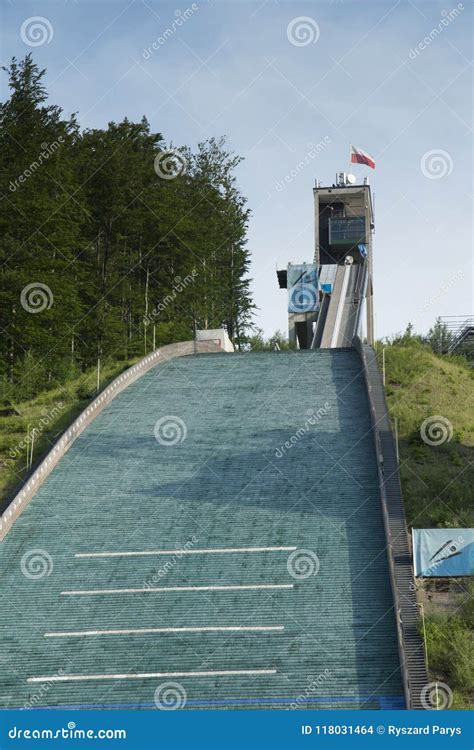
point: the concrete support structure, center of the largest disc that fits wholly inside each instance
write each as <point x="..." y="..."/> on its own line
<point x="300" y="328"/>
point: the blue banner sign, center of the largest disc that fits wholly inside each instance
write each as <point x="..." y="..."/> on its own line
<point x="302" y="282"/>
<point x="235" y="730"/>
<point x="443" y="552"/>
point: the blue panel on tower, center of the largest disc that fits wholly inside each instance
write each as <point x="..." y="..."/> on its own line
<point x="303" y="288"/>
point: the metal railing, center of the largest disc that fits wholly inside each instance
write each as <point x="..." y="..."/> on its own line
<point x="412" y="662"/>
<point x="454" y="332"/>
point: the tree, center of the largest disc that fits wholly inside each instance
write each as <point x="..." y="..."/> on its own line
<point x="40" y="227"/>
<point x="258" y="343"/>
<point x="120" y="243"/>
<point x="439" y="337"/>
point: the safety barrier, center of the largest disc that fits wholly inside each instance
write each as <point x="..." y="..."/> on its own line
<point x="410" y="644"/>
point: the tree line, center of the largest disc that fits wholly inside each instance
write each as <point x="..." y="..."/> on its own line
<point x="110" y="242"/>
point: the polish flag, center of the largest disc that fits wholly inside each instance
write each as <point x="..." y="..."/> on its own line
<point x="361" y="157"/>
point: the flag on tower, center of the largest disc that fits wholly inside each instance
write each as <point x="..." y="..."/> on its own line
<point x="361" y="157"/>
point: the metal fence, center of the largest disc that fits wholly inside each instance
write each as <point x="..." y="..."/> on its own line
<point x="455" y="333"/>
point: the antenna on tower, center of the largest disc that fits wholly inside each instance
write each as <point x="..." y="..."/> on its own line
<point x="344" y="178"/>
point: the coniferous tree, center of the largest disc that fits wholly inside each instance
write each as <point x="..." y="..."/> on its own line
<point x="40" y="228"/>
<point x="108" y="242"/>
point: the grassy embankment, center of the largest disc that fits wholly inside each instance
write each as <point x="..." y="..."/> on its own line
<point x="48" y="414"/>
<point x="437" y="482"/>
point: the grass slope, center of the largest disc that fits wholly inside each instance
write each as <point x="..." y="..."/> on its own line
<point x="437" y="483"/>
<point x="437" y="479"/>
<point x="48" y="415"/>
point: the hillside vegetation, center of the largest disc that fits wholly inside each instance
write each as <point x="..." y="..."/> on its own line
<point x="37" y="423"/>
<point x="437" y="461"/>
<point x="437" y="475"/>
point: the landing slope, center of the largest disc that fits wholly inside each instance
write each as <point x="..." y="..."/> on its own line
<point x="264" y="472"/>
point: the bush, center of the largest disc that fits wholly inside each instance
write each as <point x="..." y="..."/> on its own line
<point x="450" y="646"/>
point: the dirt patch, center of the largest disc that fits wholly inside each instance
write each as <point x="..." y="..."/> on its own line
<point x="442" y="596"/>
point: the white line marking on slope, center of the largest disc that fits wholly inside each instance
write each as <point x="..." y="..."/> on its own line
<point x="164" y="589"/>
<point x="204" y="629"/>
<point x="210" y="551"/>
<point x="147" y="675"/>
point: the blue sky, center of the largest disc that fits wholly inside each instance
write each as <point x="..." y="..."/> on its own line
<point x="355" y="75"/>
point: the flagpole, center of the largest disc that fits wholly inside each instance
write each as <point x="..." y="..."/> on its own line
<point x="350" y="157"/>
